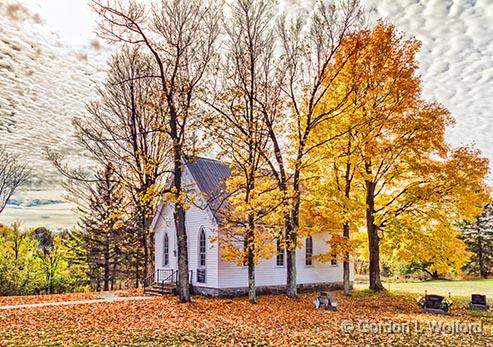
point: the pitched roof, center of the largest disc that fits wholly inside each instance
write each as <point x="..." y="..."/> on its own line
<point x="210" y="176"/>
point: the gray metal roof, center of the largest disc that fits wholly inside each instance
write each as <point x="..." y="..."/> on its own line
<point x="210" y="176"/>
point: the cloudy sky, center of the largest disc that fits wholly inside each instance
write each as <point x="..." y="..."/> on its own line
<point x="50" y="60"/>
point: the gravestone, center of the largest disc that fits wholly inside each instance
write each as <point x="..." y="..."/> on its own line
<point x="478" y="302"/>
<point x="325" y="300"/>
<point x="435" y="304"/>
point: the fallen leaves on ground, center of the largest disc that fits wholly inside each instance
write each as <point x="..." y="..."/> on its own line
<point x="274" y="321"/>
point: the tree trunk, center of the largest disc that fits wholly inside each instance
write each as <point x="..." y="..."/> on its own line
<point x="291" y="232"/>
<point x="291" y="289"/>
<point x="250" y="238"/>
<point x="106" y="278"/>
<point x="345" y="228"/>
<point x="137" y="272"/>
<point x="373" y="239"/>
<point x="183" y="282"/>
<point x="145" y="246"/>
<point x="435" y="275"/>
<point x="345" y="264"/>
<point x="252" y="294"/>
<point x="289" y="236"/>
<point x="146" y="238"/>
<point x="114" y="269"/>
<point x="181" y="234"/>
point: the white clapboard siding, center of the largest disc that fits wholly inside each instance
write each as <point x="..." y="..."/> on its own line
<point x="222" y="274"/>
<point x="196" y="218"/>
<point x="267" y="273"/>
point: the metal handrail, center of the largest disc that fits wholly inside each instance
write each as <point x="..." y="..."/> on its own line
<point x="149" y="280"/>
<point x="160" y="276"/>
<point x="163" y="276"/>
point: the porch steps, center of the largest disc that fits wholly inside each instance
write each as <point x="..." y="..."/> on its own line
<point x="157" y="289"/>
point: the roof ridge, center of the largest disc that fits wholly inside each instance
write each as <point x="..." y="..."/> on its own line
<point x="206" y="158"/>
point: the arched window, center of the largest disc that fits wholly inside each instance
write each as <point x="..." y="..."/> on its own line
<point x="165" y="250"/>
<point x="202" y="248"/>
<point x="309" y="251"/>
<point x="280" y="254"/>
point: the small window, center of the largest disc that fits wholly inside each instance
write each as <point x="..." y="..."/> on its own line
<point x="202" y="248"/>
<point x="201" y="275"/>
<point x="165" y="250"/>
<point x="309" y="251"/>
<point x="280" y="254"/>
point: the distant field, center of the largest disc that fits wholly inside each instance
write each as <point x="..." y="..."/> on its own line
<point x="456" y="288"/>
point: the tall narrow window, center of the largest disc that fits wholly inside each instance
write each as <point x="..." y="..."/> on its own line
<point x="165" y="250"/>
<point x="202" y="248"/>
<point x="280" y="254"/>
<point x="309" y="251"/>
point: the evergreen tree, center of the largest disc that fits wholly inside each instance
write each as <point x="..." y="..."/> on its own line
<point x="103" y="229"/>
<point x="478" y="236"/>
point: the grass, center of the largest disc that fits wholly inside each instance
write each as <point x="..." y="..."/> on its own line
<point x="441" y="287"/>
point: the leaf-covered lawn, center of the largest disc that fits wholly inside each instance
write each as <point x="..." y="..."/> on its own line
<point x="275" y="320"/>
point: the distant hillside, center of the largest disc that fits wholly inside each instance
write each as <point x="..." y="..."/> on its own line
<point x="33" y="203"/>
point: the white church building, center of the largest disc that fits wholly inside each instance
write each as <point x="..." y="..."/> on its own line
<point x="209" y="273"/>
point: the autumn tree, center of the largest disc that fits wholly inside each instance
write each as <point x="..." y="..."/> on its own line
<point x="13" y="173"/>
<point x="405" y="166"/>
<point x="433" y="248"/>
<point x="241" y="134"/>
<point x="124" y="128"/>
<point x="287" y="89"/>
<point x="50" y="252"/>
<point x="26" y="270"/>
<point x="16" y="275"/>
<point x="332" y="202"/>
<point x="478" y="236"/>
<point x="180" y="38"/>
<point x="16" y="236"/>
<point x="308" y="46"/>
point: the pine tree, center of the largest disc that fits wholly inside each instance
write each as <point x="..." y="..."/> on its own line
<point x="103" y="229"/>
<point x="478" y="236"/>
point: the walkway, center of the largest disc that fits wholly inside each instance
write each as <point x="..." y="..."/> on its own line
<point x="105" y="297"/>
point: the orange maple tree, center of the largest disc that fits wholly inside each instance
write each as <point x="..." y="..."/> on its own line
<point x="404" y="171"/>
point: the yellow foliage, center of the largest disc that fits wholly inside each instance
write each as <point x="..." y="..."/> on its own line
<point x="387" y="146"/>
<point x="237" y="235"/>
